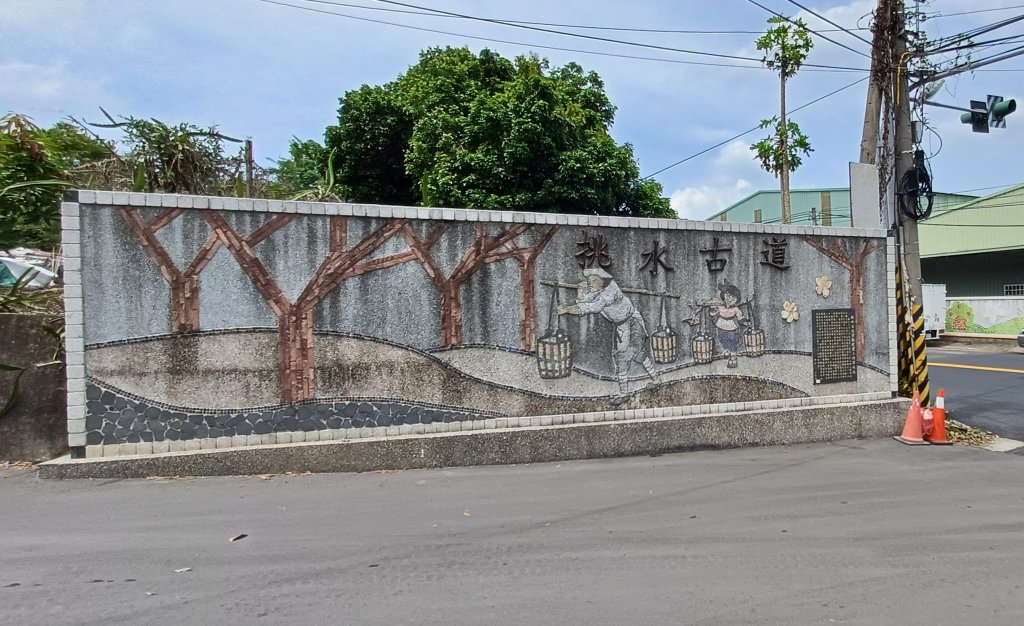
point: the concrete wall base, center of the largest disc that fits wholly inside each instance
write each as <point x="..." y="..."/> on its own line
<point x="36" y="426"/>
<point x="512" y="446"/>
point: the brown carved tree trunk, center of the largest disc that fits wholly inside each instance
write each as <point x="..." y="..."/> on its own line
<point x="184" y="285"/>
<point x="185" y="304"/>
<point x="527" y="303"/>
<point x="295" y="354"/>
<point x="857" y="304"/>
<point x="296" y="371"/>
<point x="484" y="250"/>
<point x="451" y="313"/>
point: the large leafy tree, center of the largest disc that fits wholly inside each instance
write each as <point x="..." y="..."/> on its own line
<point x="482" y="131"/>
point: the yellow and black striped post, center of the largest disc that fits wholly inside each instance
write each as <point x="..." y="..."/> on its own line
<point x="904" y="352"/>
<point x="920" y="355"/>
<point x="912" y="358"/>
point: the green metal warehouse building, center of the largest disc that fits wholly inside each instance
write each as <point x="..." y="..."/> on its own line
<point x="817" y="207"/>
<point x="977" y="248"/>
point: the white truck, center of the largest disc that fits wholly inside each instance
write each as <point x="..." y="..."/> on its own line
<point x="934" y="297"/>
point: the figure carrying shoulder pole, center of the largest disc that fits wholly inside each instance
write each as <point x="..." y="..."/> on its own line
<point x="601" y="294"/>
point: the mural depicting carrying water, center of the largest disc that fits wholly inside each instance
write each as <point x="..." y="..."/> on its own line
<point x="202" y="323"/>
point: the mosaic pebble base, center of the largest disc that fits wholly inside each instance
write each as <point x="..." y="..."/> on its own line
<point x="284" y="425"/>
<point x="112" y="418"/>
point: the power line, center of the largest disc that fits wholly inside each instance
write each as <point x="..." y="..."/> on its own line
<point x="974" y="32"/>
<point x="747" y="132"/>
<point x="926" y="223"/>
<point x="541" y="29"/>
<point x="514" y="43"/>
<point x="825" y="19"/>
<point x="986" y="188"/>
<point x="968" y="66"/>
<point x="582" y="36"/>
<point x="428" y="13"/>
<point x="541" y="46"/>
<point x="975" y="44"/>
<point x="940" y="15"/>
<point x="841" y="45"/>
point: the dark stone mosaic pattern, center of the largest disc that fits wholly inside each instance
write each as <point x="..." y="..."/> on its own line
<point x="112" y="417"/>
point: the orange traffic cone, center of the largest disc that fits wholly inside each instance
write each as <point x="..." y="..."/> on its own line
<point x="912" y="428"/>
<point x="938" y="434"/>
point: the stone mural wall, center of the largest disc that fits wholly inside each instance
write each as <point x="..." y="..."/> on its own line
<point x="250" y="321"/>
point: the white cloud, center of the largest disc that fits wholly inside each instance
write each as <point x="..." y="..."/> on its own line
<point x="50" y="88"/>
<point x="697" y="203"/>
<point x="731" y="177"/>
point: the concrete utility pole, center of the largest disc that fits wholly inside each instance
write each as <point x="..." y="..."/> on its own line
<point x="249" y="166"/>
<point x="905" y="153"/>
<point x="873" y="106"/>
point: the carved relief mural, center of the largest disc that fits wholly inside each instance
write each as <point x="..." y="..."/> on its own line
<point x="204" y="323"/>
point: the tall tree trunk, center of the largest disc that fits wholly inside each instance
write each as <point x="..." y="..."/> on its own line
<point x="295" y="354"/>
<point x="787" y="212"/>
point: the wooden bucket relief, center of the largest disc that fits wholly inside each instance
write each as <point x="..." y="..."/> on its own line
<point x="554" y="355"/>
<point x="703" y="346"/>
<point x="664" y="345"/>
<point x="753" y="342"/>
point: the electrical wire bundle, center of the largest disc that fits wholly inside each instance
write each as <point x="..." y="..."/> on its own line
<point x="915" y="190"/>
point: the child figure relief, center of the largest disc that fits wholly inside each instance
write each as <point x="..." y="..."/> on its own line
<point x="729" y="320"/>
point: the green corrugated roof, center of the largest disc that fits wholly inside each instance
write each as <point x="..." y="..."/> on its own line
<point x="769" y="202"/>
<point x="989" y="224"/>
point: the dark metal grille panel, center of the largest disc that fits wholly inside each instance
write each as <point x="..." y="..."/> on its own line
<point x="835" y="345"/>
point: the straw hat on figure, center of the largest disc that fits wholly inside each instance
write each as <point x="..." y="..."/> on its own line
<point x="600" y="294"/>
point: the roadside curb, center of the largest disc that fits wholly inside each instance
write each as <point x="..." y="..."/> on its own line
<point x="538" y="444"/>
<point x="1002" y="444"/>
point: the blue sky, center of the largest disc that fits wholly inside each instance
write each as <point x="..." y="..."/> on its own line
<point x="271" y="72"/>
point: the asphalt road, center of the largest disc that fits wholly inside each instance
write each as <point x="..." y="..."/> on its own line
<point x="858" y="532"/>
<point x="984" y="398"/>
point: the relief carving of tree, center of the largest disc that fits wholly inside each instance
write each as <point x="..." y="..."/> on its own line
<point x="854" y="264"/>
<point x="295" y="319"/>
<point x="486" y="249"/>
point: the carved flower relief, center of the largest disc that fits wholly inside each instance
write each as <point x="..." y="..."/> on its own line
<point x="824" y="286"/>
<point x="790" y="312"/>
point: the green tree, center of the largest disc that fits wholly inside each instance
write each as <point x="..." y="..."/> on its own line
<point x="30" y="165"/>
<point x="370" y="144"/>
<point x="303" y="168"/>
<point x="785" y="46"/>
<point x="482" y="131"/>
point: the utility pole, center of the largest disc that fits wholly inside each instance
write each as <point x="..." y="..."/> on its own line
<point x="905" y="154"/>
<point x="248" y="168"/>
<point x="873" y="106"/>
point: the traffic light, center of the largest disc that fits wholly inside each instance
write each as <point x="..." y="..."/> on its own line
<point x="999" y="109"/>
<point x="992" y="113"/>
<point x="978" y="117"/>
